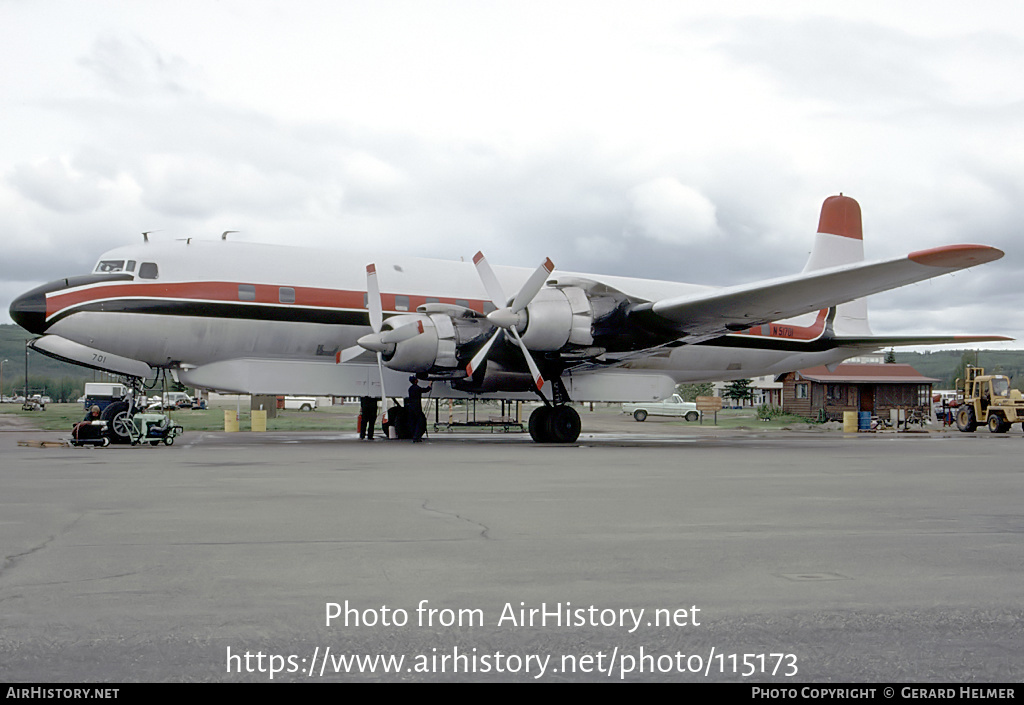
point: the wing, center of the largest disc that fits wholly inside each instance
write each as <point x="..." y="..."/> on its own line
<point x="888" y="341"/>
<point x="711" y="314"/>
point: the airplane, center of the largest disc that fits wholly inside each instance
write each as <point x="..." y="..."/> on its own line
<point x="249" y="318"/>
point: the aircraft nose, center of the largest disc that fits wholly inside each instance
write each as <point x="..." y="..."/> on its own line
<point x="29" y="309"/>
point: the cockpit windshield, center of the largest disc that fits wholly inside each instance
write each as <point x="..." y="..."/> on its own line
<point x="110" y="265"/>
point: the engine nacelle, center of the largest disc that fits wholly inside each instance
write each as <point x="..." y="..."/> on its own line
<point x="432" y="349"/>
<point x="558" y="317"/>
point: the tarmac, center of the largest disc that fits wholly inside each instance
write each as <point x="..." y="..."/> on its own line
<point x="670" y="555"/>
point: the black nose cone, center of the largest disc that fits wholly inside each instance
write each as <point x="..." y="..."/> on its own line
<point x="29" y="310"/>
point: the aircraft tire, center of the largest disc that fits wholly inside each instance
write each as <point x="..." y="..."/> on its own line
<point x="540" y="424"/>
<point x="640" y="415"/>
<point x="564" y="424"/>
<point x="118" y="421"/>
<point x="398" y="419"/>
<point x="965" y="420"/>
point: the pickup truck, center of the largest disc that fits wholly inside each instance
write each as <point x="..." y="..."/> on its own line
<point x="673" y="406"/>
<point x="300" y="403"/>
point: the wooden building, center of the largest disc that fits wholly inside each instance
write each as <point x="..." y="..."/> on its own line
<point x="856" y="387"/>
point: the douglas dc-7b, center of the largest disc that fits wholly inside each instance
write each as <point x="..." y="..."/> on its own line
<point x="261" y="319"/>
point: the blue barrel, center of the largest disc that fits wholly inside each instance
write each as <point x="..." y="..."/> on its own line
<point x="864" y="421"/>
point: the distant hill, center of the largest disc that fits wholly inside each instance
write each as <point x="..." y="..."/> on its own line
<point x="943" y="364"/>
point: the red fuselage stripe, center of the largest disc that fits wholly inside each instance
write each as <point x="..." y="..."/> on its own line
<point x="228" y="292"/>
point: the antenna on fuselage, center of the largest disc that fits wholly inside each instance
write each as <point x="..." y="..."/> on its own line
<point x="145" y="235"/>
<point x="224" y="235"/>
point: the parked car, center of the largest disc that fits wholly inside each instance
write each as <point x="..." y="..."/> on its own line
<point x="673" y="406"/>
<point x="300" y="403"/>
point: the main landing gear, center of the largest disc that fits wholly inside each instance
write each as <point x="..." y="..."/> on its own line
<point x="554" y="424"/>
<point x="556" y="421"/>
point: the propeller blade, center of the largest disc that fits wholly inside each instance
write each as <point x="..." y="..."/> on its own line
<point x="349" y="354"/>
<point x="481" y="355"/>
<point x="534" y="370"/>
<point x="397" y="335"/>
<point x="491" y="284"/>
<point x="373" y="298"/>
<point x="532" y="286"/>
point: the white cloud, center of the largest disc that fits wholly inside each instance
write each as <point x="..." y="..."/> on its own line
<point x="668" y="211"/>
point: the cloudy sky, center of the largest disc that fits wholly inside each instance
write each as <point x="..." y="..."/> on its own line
<point x="673" y="140"/>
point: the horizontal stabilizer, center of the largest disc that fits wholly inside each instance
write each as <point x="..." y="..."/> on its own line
<point x="68" y="351"/>
<point x="719" y="311"/>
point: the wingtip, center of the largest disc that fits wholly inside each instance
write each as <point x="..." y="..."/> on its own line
<point x="956" y="256"/>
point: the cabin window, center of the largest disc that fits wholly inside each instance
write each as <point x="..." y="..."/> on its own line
<point x="131" y="266"/>
<point x="432" y="300"/>
<point x="148" y="270"/>
<point x="462" y="302"/>
<point x="801" y="391"/>
<point x="286" y="295"/>
<point x="110" y="265"/>
<point x="488" y="307"/>
<point x="401" y="303"/>
<point x="246" y="292"/>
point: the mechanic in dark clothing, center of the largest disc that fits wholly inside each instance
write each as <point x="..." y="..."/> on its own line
<point x="414" y="409"/>
<point x="93" y="415"/>
<point x="368" y="414"/>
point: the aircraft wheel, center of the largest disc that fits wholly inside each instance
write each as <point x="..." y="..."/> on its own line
<point x="119" y="421"/>
<point x="965" y="420"/>
<point x="640" y="415"/>
<point x="564" y="424"/>
<point x="398" y="419"/>
<point x="540" y="424"/>
<point x="692" y="416"/>
<point x="996" y="424"/>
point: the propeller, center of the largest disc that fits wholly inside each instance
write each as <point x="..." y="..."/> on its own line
<point x="379" y="341"/>
<point x="509" y="317"/>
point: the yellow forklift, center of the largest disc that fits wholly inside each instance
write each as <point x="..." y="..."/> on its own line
<point x="988" y="399"/>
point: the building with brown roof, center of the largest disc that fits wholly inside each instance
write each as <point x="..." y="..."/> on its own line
<point x="856" y="387"/>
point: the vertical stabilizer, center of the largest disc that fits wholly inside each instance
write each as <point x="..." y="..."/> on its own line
<point x="840" y="240"/>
